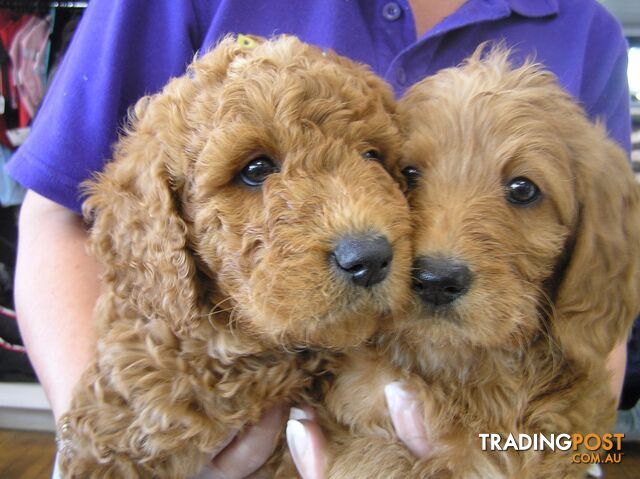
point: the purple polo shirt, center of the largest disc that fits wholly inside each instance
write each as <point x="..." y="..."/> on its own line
<point x="124" y="49"/>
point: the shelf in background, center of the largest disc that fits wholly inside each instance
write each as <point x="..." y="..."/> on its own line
<point x="25" y="406"/>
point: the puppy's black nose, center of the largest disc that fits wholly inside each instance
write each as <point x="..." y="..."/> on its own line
<point x="364" y="259"/>
<point x="440" y="281"/>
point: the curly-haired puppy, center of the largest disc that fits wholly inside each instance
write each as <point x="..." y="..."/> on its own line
<point x="248" y="213"/>
<point x="526" y="274"/>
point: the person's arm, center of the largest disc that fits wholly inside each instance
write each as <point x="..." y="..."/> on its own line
<point x="617" y="363"/>
<point x="55" y="292"/>
<point x="140" y="46"/>
<point x="56" y="287"/>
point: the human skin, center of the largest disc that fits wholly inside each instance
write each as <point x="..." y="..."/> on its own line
<point x="57" y="286"/>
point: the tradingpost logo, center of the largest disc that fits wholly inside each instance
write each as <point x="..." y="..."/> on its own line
<point x="587" y="448"/>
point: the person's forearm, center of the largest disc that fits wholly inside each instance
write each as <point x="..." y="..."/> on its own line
<point x="56" y="288"/>
<point x="617" y="363"/>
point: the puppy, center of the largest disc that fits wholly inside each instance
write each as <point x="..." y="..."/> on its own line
<point x="248" y="222"/>
<point x="526" y="274"/>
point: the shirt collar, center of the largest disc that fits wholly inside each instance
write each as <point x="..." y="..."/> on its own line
<point x="534" y="8"/>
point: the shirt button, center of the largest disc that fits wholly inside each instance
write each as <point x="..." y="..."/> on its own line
<point x="391" y="11"/>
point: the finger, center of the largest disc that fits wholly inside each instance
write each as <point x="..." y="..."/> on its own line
<point x="260" y="474"/>
<point x="206" y="471"/>
<point x="303" y="412"/>
<point x="249" y="450"/>
<point x="307" y="445"/>
<point x="224" y="443"/>
<point x="408" y="419"/>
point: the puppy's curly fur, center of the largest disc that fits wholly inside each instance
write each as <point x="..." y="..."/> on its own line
<point x="211" y="285"/>
<point x="555" y="281"/>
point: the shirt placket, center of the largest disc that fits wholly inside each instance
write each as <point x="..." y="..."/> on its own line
<point x="412" y="62"/>
<point x="395" y="31"/>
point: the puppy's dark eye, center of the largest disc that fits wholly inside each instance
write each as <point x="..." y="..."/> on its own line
<point x="374" y="155"/>
<point x="257" y="170"/>
<point x="522" y="191"/>
<point x="412" y="174"/>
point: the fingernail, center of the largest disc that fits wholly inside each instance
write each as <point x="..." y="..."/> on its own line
<point x="299" y="443"/>
<point x="407" y="417"/>
<point x="399" y="400"/>
<point x="594" y="471"/>
<point x="396" y="395"/>
<point x="299" y="414"/>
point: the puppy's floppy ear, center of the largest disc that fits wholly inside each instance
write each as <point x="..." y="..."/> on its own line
<point x="599" y="295"/>
<point x="139" y="230"/>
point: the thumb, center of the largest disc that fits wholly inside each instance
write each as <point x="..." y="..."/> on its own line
<point x="307" y="445"/>
<point x="408" y="419"/>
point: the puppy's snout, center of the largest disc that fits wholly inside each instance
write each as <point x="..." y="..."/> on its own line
<point x="365" y="260"/>
<point x="440" y="281"/>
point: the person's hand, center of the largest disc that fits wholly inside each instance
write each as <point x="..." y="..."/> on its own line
<point x="307" y="445"/>
<point x="243" y="454"/>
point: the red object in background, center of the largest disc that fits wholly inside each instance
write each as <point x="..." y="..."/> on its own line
<point x="14" y="362"/>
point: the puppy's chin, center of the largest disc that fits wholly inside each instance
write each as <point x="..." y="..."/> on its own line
<point x="333" y="331"/>
<point x="338" y="333"/>
<point x="469" y="324"/>
<point x="349" y="320"/>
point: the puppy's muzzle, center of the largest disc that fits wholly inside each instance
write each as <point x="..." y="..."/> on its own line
<point x="364" y="260"/>
<point x="440" y="281"/>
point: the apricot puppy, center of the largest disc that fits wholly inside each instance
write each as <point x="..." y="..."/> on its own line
<point x="526" y="274"/>
<point x="248" y="225"/>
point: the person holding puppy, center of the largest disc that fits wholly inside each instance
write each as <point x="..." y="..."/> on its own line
<point x="123" y="50"/>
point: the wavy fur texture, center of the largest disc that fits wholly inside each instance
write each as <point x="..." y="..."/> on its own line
<point x="556" y="283"/>
<point x="219" y="299"/>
